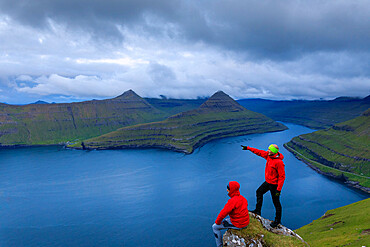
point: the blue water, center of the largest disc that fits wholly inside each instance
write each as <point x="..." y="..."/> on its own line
<point x="50" y="196"/>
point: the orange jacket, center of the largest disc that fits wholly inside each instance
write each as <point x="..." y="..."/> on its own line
<point x="274" y="170"/>
<point x="236" y="207"/>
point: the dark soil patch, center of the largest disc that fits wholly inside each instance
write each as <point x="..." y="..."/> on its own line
<point x="327" y="216"/>
<point x="335" y="223"/>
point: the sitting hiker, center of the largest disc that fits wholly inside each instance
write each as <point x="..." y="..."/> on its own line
<point x="237" y="208"/>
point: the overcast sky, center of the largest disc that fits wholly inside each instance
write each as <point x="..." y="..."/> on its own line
<point x="71" y="50"/>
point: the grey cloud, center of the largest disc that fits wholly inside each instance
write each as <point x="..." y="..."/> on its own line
<point x="334" y="64"/>
<point x="270" y="28"/>
<point x="161" y="74"/>
<point x="100" y="18"/>
<point x="265" y="29"/>
<point x="185" y="49"/>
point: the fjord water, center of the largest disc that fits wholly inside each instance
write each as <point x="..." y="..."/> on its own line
<point x="50" y="196"/>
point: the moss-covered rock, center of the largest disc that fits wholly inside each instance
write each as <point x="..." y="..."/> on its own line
<point x="260" y="234"/>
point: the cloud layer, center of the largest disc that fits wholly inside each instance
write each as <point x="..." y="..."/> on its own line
<point x="183" y="49"/>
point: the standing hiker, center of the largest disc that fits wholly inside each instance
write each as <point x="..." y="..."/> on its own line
<point x="274" y="179"/>
<point x="237" y="208"/>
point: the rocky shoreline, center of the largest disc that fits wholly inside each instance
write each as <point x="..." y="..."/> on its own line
<point x="199" y="144"/>
<point x="340" y="178"/>
<point x="171" y="148"/>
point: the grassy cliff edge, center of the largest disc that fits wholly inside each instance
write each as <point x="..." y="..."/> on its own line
<point x="341" y="151"/>
<point x="344" y="226"/>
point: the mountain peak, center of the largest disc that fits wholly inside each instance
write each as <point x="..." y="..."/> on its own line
<point x="129" y="94"/>
<point x="39" y="102"/>
<point x="132" y="101"/>
<point x="347" y="99"/>
<point x="367" y="98"/>
<point x="220" y="101"/>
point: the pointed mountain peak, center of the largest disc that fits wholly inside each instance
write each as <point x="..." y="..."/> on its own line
<point x="128" y="95"/>
<point x="220" y="94"/>
<point x="39" y="102"/>
<point x="220" y="101"/>
<point x="132" y="100"/>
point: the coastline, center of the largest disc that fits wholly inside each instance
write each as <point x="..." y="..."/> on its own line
<point x="340" y="178"/>
<point x="169" y="147"/>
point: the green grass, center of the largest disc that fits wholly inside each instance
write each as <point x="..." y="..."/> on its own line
<point x="175" y="106"/>
<point x="220" y="116"/>
<point x="255" y="230"/>
<point x="363" y="181"/>
<point x="341" y="149"/>
<point x="345" y="226"/>
<point x="58" y="123"/>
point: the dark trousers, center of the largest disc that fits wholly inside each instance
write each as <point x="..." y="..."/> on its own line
<point x="275" y="199"/>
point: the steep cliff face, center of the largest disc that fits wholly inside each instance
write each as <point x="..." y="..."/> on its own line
<point x="220" y="116"/>
<point x="341" y="151"/>
<point x="56" y="123"/>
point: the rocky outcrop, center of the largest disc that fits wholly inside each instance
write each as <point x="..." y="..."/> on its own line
<point x="232" y="239"/>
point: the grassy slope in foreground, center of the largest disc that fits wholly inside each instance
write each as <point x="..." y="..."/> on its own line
<point x="348" y="225"/>
<point x="220" y="116"/>
<point x="316" y="114"/>
<point x="44" y="124"/>
<point x="343" y="147"/>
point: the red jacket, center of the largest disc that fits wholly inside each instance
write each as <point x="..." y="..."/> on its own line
<point x="274" y="171"/>
<point x="236" y="207"/>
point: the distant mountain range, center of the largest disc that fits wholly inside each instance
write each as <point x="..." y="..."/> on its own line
<point x="48" y="124"/>
<point x="220" y="116"/>
<point x="341" y="151"/>
<point x="316" y="114"/>
<point x="42" y="124"/>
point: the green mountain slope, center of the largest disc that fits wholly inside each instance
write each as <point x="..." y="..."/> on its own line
<point x="342" y="150"/>
<point x="56" y="123"/>
<point x="317" y="114"/>
<point x="345" y="226"/>
<point x="220" y="116"/>
<point x="174" y="106"/>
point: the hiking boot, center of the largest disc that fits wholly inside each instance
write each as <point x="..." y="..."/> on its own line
<point x="258" y="212"/>
<point x="274" y="224"/>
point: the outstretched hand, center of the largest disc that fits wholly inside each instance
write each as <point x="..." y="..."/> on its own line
<point x="244" y="147"/>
